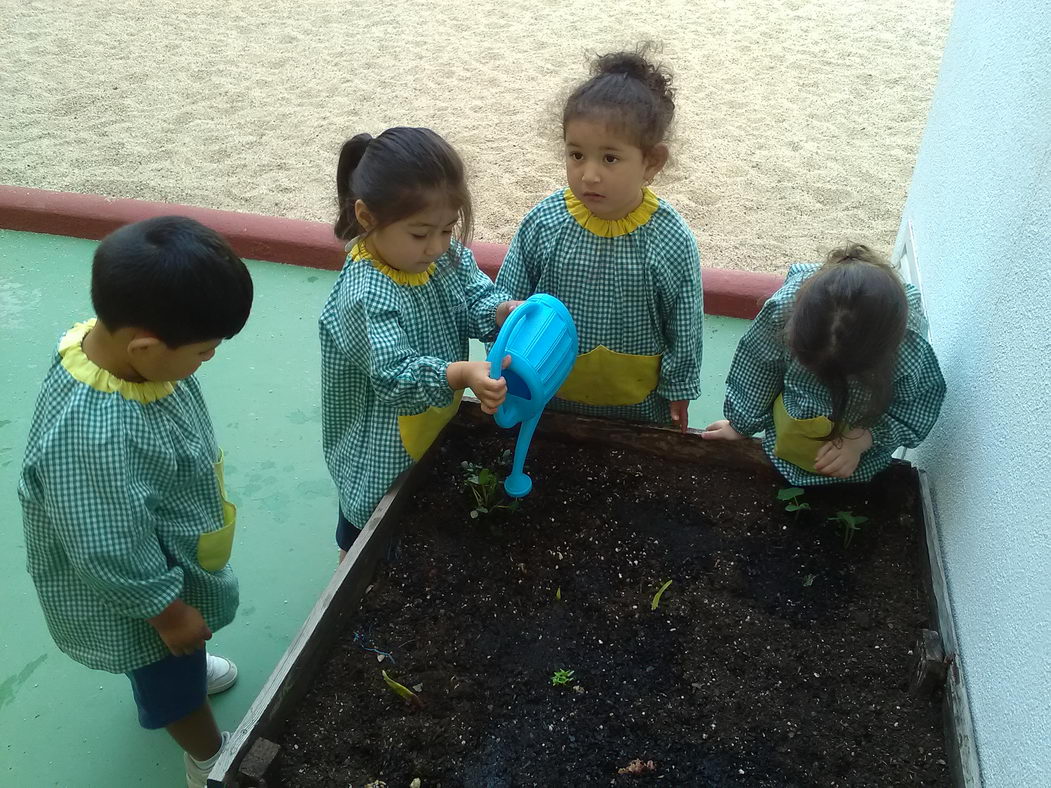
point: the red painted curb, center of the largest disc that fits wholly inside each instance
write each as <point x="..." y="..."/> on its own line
<point x="296" y="241"/>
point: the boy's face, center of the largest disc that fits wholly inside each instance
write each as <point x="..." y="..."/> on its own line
<point x="153" y="360"/>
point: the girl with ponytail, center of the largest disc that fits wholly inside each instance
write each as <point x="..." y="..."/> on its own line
<point x="395" y="329"/>
<point x="837" y="370"/>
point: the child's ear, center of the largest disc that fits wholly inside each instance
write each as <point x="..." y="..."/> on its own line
<point x="655" y="160"/>
<point x="364" y="216"/>
<point x="143" y="343"/>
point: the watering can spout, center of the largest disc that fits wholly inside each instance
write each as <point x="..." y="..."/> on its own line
<point x="541" y="339"/>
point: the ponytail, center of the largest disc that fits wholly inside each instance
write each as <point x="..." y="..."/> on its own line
<point x="397" y="174"/>
<point x="350" y="155"/>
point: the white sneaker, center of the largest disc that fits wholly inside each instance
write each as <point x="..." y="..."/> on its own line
<point x="222" y="673"/>
<point x="197" y="771"/>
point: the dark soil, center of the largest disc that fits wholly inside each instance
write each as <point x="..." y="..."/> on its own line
<point x="776" y="657"/>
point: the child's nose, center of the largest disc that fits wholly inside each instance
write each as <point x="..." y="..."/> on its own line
<point x="591" y="173"/>
<point x="436" y="246"/>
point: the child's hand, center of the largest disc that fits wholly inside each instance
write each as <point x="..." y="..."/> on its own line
<point x="475" y="376"/>
<point x="505" y="309"/>
<point x="182" y="628"/>
<point x="840" y="458"/>
<point x="721" y="431"/>
<point x="680" y="414"/>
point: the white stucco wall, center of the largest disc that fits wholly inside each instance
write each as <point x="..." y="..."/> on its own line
<point x="980" y="207"/>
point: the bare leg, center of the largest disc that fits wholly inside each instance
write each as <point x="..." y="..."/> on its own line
<point x="197" y="733"/>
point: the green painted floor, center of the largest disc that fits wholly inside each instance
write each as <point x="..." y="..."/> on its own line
<point x="62" y="724"/>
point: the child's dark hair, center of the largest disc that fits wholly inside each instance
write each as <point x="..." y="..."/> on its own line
<point x="629" y="94"/>
<point x="396" y="175"/>
<point x="173" y="277"/>
<point x="846" y="326"/>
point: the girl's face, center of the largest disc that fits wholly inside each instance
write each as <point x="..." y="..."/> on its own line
<point x="606" y="173"/>
<point x="413" y="243"/>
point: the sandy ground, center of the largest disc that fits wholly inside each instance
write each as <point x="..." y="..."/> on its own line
<point x="798" y="122"/>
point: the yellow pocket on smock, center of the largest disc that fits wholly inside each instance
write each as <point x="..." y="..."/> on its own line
<point x="419" y="432"/>
<point x="798" y="440"/>
<point x="214" y="547"/>
<point x="605" y="377"/>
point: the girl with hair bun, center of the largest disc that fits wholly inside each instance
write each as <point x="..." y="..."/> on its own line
<point x="620" y="258"/>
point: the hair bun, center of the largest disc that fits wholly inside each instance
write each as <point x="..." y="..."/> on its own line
<point x="637" y="65"/>
<point x="631" y="64"/>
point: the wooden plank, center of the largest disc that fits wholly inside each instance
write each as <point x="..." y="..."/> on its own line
<point x="665" y="442"/>
<point x="255" y="764"/>
<point x="960" y="745"/>
<point x="340" y="598"/>
<point x="928" y="664"/>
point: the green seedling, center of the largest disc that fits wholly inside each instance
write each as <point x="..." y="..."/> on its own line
<point x="808" y="580"/>
<point x="561" y="678"/>
<point x="793" y="495"/>
<point x="484" y="485"/>
<point x="558" y="594"/>
<point x="403" y="692"/>
<point x="657" y="597"/>
<point x="850" y="523"/>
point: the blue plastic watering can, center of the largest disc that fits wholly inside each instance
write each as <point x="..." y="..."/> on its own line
<point x="541" y="339"/>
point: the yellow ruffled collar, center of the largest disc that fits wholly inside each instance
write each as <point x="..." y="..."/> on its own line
<point x="359" y="252"/>
<point x="612" y="228"/>
<point x="81" y="368"/>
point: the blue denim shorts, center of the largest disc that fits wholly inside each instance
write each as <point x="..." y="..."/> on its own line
<point x="168" y="690"/>
<point x="346" y="533"/>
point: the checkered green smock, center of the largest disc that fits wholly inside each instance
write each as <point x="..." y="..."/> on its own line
<point x="118" y="486"/>
<point x="385" y="348"/>
<point x="637" y="292"/>
<point x="762" y="368"/>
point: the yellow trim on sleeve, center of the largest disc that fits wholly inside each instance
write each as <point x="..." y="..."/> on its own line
<point x="611" y="228"/>
<point x="83" y="369"/>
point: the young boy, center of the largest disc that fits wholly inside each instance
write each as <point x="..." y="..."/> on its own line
<point x="128" y="530"/>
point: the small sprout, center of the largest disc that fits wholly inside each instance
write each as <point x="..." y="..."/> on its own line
<point x="558" y="594"/>
<point x="792" y="495"/>
<point x="637" y="768"/>
<point x="403" y="692"/>
<point x="808" y="580"/>
<point x="561" y="677"/>
<point x="850" y="523"/>
<point x="785" y="493"/>
<point x="485" y="486"/>
<point x="657" y="597"/>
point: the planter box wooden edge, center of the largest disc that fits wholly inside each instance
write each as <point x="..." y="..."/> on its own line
<point x="960" y="746"/>
<point x="345" y="589"/>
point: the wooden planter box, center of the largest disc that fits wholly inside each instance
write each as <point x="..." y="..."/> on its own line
<point x="251" y="750"/>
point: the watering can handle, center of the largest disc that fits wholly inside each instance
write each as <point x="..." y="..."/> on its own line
<point x="496" y="355"/>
